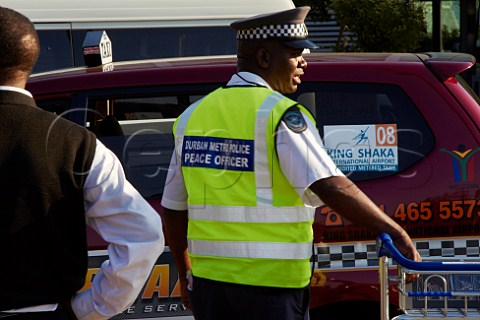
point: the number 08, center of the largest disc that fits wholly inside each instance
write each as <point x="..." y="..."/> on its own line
<point x="386" y="135"/>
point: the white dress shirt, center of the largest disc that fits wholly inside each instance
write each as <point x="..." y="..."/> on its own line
<point x="122" y="217"/>
<point x="302" y="156"/>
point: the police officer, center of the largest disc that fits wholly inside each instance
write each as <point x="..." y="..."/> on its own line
<point x="54" y="177"/>
<point x="246" y="176"/>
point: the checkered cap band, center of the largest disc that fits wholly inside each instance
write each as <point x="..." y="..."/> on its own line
<point x="278" y="31"/>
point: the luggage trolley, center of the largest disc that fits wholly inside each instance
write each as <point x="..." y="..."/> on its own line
<point x="445" y="290"/>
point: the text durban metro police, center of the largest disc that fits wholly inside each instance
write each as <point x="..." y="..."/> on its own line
<point x="218" y="153"/>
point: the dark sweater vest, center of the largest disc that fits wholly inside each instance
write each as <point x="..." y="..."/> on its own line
<point x="44" y="161"/>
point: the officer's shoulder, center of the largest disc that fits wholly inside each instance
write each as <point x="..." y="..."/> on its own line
<point x="294" y="120"/>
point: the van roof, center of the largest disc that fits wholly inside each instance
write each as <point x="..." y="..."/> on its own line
<point x="94" y="11"/>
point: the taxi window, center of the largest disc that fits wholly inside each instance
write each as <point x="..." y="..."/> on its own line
<point x="57" y="106"/>
<point x="139" y="131"/>
<point x="63" y="48"/>
<point x="369" y="130"/>
<point x="56" y="51"/>
<point x="150" y="43"/>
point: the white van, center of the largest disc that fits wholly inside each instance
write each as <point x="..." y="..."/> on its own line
<point x="141" y="29"/>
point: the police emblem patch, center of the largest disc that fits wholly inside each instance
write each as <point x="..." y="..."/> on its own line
<point x="294" y="120"/>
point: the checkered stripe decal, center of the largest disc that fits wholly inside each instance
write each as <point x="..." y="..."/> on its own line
<point x="456" y="249"/>
<point x="364" y="255"/>
<point x="292" y="31"/>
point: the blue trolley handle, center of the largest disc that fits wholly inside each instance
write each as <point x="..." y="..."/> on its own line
<point x="386" y="248"/>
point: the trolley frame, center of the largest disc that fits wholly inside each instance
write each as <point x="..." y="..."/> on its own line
<point x="441" y="286"/>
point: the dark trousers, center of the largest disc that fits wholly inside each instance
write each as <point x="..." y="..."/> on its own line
<point x="213" y="300"/>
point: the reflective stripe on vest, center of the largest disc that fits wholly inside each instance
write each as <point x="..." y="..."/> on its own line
<point x="182" y="124"/>
<point x="263" y="250"/>
<point x="249" y="214"/>
<point x="262" y="171"/>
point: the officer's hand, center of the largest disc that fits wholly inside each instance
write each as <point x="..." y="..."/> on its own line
<point x="407" y="248"/>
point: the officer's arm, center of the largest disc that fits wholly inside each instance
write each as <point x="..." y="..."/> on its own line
<point x="176" y="224"/>
<point x="345" y="198"/>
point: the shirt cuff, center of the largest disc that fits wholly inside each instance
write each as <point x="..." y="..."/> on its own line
<point x="83" y="308"/>
<point x="174" y="205"/>
<point x="310" y="199"/>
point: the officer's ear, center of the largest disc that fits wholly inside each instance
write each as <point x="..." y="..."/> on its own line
<point x="263" y="58"/>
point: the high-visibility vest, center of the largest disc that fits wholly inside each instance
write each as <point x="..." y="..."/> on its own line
<point x="247" y="224"/>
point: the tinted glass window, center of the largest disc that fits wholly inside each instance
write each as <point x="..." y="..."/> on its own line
<point x="55" y="50"/>
<point x="369" y="130"/>
<point x="149" y="43"/>
<point x="56" y="106"/>
<point x="136" y="124"/>
<point x="138" y="129"/>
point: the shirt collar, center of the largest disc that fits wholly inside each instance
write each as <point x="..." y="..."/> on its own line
<point x="247" y="79"/>
<point x="16" y="89"/>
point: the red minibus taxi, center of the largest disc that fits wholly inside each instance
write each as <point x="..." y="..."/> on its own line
<point x="403" y="126"/>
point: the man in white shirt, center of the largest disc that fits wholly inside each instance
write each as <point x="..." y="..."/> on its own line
<point x="56" y="178"/>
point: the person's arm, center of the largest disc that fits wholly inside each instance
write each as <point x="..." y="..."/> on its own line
<point x="175" y="219"/>
<point x="345" y="198"/>
<point x="310" y="170"/>
<point x="176" y="224"/>
<point x="122" y="217"/>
